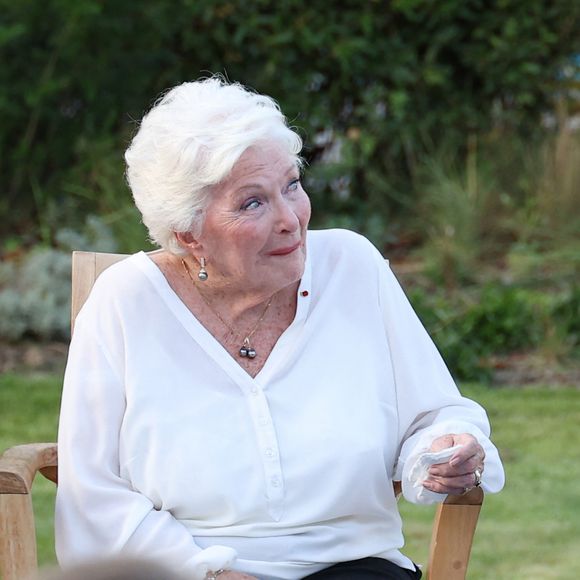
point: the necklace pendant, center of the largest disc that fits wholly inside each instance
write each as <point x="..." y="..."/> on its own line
<point x="246" y="351"/>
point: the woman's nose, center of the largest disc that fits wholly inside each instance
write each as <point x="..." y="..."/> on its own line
<point x="286" y="217"/>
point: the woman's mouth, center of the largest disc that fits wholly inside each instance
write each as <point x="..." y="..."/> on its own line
<point x="286" y="250"/>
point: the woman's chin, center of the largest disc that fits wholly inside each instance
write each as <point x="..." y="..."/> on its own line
<point x="284" y="275"/>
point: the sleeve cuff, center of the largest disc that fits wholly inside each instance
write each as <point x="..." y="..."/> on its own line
<point x="211" y="559"/>
<point x="408" y="471"/>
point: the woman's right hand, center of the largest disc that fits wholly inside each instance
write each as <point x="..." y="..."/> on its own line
<point x="233" y="575"/>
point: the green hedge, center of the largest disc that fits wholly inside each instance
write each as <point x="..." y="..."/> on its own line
<point x="373" y="85"/>
<point x="473" y="329"/>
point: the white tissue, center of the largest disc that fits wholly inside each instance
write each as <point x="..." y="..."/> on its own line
<point x="420" y="472"/>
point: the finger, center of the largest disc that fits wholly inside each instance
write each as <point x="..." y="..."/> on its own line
<point x="469" y="446"/>
<point x="439" y="487"/>
<point x="443" y="442"/>
<point x="463" y="462"/>
<point x="466" y="452"/>
<point x="468" y="459"/>
<point x="453" y="485"/>
<point x="459" y="481"/>
<point x="448" y="470"/>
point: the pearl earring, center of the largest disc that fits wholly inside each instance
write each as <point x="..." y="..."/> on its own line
<point x="202" y="274"/>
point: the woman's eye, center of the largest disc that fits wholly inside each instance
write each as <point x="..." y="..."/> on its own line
<point x="251" y="204"/>
<point x="293" y="186"/>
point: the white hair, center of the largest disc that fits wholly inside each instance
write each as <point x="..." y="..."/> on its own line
<point x="189" y="141"/>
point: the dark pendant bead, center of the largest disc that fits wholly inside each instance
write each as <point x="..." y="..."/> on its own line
<point x="251" y="353"/>
<point x="244" y="352"/>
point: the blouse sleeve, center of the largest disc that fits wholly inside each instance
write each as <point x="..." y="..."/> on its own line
<point x="97" y="511"/>
<point x="429" y="403"/>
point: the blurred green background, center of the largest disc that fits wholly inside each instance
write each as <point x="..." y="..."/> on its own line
<point x="447" y="131"/>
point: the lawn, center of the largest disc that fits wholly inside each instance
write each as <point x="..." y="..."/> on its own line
<point x="530" y="531"/>
<point x="28" y="414"/>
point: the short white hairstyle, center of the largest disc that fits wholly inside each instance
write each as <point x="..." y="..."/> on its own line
<point x="189" y="141"/>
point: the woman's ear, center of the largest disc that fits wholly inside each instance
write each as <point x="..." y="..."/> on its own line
<point x="188" y="242"/>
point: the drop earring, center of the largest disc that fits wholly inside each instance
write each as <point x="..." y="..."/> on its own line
<point x="202" y="274"/>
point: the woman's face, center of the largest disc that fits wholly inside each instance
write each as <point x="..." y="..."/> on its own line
<point x="254" y="232"/>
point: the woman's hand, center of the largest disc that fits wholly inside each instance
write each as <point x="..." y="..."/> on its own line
<point x="233" y="575"/>
<point x="463" y="471"/>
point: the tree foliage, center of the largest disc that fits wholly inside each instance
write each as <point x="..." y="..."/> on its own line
<point x="371" y="85"/>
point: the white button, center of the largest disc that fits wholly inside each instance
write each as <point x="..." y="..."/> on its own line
<point x="269" y="452"/>
<point x="263" y="421"/>
<point x="275" y="481"/>
<point x="255" y="391"/>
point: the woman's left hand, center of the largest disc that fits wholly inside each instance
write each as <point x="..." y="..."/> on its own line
<point x="463" y="471"/>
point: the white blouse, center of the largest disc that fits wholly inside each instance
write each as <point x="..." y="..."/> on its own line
<point x="168" y="449"/>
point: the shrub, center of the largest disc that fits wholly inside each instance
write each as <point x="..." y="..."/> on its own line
<point x="470" y="328"/>
<point x="567" y="316"/>
<point x="373" y="85"/>
<point x="35" y="292"/>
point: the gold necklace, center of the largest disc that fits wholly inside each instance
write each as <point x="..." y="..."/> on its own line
<point x="246" y="350"/>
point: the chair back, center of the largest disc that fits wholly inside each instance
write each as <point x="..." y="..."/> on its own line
<point x="86" y="268"/>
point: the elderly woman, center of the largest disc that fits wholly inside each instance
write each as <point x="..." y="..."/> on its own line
<point x="239" y="403"/>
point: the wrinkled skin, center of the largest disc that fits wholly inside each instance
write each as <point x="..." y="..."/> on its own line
<point x="457" y="475"/>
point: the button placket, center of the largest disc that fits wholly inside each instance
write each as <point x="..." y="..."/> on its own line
<point x="269" y="451"/>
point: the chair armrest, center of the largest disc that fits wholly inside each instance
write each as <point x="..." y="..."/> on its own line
<point x="398" y="489"/>
<point x="19" y="465"/>
<point x="452" y="535"/>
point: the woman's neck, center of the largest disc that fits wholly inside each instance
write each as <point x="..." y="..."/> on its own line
<point x="233" y="299"/>
<point x="236" y="304"/>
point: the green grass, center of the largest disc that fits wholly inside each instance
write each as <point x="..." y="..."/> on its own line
<point x="530" y="531"/>
<point x="29" y="414"/>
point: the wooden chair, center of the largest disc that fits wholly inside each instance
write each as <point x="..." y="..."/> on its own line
<point x="453" y="526"/>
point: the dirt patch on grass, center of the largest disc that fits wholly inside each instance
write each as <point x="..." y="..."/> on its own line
<point x="33" y="357"/>
<point x="533" y="369"/>
<point x="513" y="370"/>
